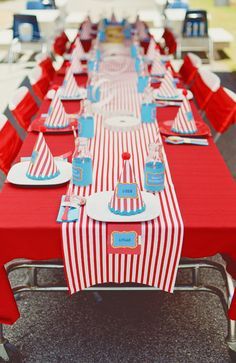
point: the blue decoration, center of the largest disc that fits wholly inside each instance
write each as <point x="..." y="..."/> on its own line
<point x="82" y="171"/>
<point x="86" y="126"/>
<point x="148" y="112"/>
<point x="93" y="65"/>
<point x="142" y="83"/>
<point x="124" y="239"/>
<point x="154" y="176"/>
<point x="125" y="190"/>
<point x="133" y="50"/>
<point x="93" y="93"/>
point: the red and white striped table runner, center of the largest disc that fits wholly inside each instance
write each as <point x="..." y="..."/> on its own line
<point x="86" y="259"/>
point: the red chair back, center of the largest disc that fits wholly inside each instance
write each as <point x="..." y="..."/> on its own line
<point x="203" y="86"/>
<point x="59" y="45"/>
<point x="10" y="144"/>
<point x="39" y="82"/>
<point x="221" y="110"/>
<point x="188" y="70"/>
<point x="86" y="43"/>
<point x="23" y="107"/>
<point x="47" y="66"/>
<point x="170" y="41"/>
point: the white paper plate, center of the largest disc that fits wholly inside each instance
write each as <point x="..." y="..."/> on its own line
<point x="122" y="123"/>
<point x="17" y="174"/>
<point x="179" y="98"/>
<point x="97" y="208"/>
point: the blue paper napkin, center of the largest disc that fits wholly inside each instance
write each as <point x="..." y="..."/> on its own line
<point x="73" y="214"/>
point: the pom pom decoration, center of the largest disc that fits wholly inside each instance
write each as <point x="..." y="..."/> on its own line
<point x="126" y="156"/>
<point x="42" y="129"/>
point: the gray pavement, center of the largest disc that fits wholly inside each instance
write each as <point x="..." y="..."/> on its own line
<point x="124" y="327"/>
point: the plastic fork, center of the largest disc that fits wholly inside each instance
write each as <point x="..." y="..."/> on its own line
<point x="178" y="140"/>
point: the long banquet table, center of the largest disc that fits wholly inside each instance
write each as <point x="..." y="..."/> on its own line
<point x="204" y="187"/>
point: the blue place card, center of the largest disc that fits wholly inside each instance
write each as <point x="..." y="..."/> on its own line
<point x="124" y="239"/>
<point x="127" y="190"/>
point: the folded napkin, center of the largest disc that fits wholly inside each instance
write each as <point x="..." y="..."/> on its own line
<point x="73" y="212"/>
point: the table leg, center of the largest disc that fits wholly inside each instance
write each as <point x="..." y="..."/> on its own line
<point x="8" y="352"/>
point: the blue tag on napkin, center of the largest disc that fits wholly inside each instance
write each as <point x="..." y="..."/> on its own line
<point x="73" y="211"/>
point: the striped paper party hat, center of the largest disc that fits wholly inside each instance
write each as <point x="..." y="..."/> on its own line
<point x="167" y="88"/>
<point x="151" y="49"/>
<point x="85" y="32"/>
<point x="157" y="67"/>
<point x="127" y="198"/>
<point x="76" y="64"/>
<point x="79" y="48"/>
<point x="70" y="87"/>
<point x="184" y="122"/>
<point x="42" y="165"/>
<point x="57" y="117"/>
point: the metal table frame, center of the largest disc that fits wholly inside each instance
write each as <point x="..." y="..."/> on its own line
<point x="9" y="352"/>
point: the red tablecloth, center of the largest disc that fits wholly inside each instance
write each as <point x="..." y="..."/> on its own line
<point x="204" y="187"/>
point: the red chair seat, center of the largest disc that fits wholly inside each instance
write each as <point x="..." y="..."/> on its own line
<point x="39" y="82"/>
<point x="10" y="144"/>
<point x="188" y="70"/>
<point x="221" y="110"/>
<point x="47" y="66"/>
<point x="23" y="107"/>
<point x="204" y="85"/>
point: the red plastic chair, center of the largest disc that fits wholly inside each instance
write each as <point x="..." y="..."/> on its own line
<point x="39" y="82"/>
<point x="189" y="68"/>
<point x="170" y="42"/>
<point x="23" y="107"/>
<point x="203" y="86"/>
<point x="10" y="144"/>
<point x="45" y="62"/>
<point x="59" y="45"/>
<point x="221" y="110"/>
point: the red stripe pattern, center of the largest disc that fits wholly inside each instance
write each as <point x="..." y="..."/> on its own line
<point x="57" y="117"/>
<point x="42" y="164"/>
<point x="70" y="87"/>
<point x="127" y="205"/>
<point x="76" y="64"/>
<point x="167" y="88"/>
<point x="157" y="67"/>
<point x="151" y="49"/>
<point x="86" y="259"/>
<point x="79" y="48"/>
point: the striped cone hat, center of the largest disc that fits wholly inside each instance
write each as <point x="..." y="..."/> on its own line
<point x="57" y="118"/>
<point x="42" y="165"/>
<point x="79" y="47"/>
<point x="70" y="87"/>
<point x="151" y="49"/>
<point x="85" y="32"/>
<point x="167" y="88"/>
<point x="184" y="122"/>
<point x="76" y="64"/>
<point x="127" y="198"/>
<point x="157" y="67"/>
